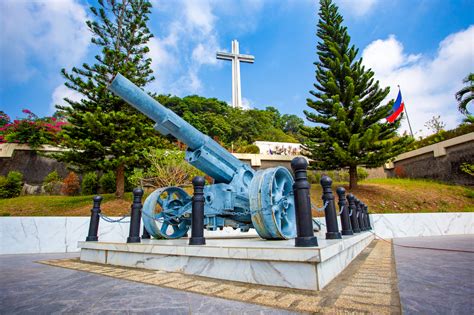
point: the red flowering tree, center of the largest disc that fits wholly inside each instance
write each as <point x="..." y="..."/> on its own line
<point x="31" y="130"/>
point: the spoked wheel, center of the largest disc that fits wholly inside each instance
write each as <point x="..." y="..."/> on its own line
<point x="272" y="204"/>
<point x="163" y="212"/>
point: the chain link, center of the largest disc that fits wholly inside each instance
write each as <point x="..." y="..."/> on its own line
<point x="110" y="220"/>
<point x="320" y="209"/>
<point x="246" y="212"/>
<point x="342" y="210"/>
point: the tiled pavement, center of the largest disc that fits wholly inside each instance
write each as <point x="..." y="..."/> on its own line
<point x="430" y="282"/>
<point x="433" y="281"/>
<point x="27" y="287"/>
<point x="368" y="285"/>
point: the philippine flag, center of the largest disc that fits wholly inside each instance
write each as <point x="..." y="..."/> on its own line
<point x="397" y="108"/>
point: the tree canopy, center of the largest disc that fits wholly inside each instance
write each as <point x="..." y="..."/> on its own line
<point x="104" y="132"/>
<point x="346" y="105"/>
<point x="233" y="126"/>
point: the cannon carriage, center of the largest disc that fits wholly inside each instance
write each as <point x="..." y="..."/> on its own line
<point x="240" y="197"/>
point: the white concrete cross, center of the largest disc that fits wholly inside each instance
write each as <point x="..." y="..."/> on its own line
<point x="236" y="58"/>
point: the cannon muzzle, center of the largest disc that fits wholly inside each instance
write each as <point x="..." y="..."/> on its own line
<point x="203" y="152"/>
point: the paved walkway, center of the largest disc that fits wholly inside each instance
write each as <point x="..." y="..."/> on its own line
<point x="27" y="287"/>
<point x="367" y="285"/>
<point x="430" y="282"/>
<point x="436" y="282"/>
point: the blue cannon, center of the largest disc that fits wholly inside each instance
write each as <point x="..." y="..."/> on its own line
<point x="240" y="197"/>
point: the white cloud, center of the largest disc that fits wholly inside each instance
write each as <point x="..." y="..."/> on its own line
<point x="191" y="42"/>
<point x="247" y="103"/>
<point x="61" y="92"/>
<point x="428" y="84"/>
<point x="357" y="7"/>
<point x="41" y="33"/>
<point x="199" y="15"/>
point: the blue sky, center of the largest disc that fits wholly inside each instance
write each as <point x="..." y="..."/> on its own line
<point x="426" y="46"/>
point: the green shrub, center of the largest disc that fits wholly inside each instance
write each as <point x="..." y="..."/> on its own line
<point x="11" y="185"/>
<point x="90" y="184"/>
<point x="251" y="148"/>
<point x="467" y="168"/>
<point x="442" y="135"/>
<point x="107" y="182"/>
<point x="168" y="168"/>
<point x="52" y="183"/>
<point x="128" y="184"/>
<point x="362" y="173"/>
<point x="135" y="177"/>
<point x="314" y="177"/>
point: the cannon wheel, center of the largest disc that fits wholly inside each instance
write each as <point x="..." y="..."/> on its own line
<point x="169" y="222"/>
<point x="272" y="204"/>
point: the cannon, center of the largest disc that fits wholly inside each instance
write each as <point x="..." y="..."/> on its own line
<point x="240" y="197"/>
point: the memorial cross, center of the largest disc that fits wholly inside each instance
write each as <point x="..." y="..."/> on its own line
<point x="236" y="58"/>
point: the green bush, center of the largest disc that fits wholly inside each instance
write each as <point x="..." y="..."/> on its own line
<point x="442" y="136"/>
<point x="167" y="168"/>
<point x="90" y="184"/>
<point x="314" y="177"/>
<point x="467" y="168"/>
<point x="135" y="177"/>
<point x="52" y="183"/>
<point x="11" y="185"/>
<point x="362" y="173"/>
<point x="251" y="148"/>
<point x="107" y="182"/>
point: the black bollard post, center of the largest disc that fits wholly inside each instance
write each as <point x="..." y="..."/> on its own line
<point x="366" y="210"/>
<point x="145" y="235"/>
<point x="360" y="215"/>
<point x="364" y="217"/>
<point x="94" y="223"/>
<point x="344" y="212"/>
<point x="353" y="213"/>
<point x="304" y="221"/>
<point x="329" y="209"/>
<point x="366" y="226"/>
<point x="197" y="223"/>
<point x="135" y="216"/>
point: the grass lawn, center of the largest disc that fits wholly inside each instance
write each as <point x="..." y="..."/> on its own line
<point x="394" y="195"/>
<point x="381" y="195"/>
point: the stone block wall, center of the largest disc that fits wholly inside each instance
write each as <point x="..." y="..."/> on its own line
<point x="32" y="165"/>
<point x="440" y="161"/>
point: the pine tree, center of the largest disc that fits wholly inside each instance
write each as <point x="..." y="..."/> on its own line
<point x="105" y="133"/>
<point x="347" y="105"/>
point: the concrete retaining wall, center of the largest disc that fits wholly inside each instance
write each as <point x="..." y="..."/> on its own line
<point x="21" y="235"/>
<point x="440" y="161"/>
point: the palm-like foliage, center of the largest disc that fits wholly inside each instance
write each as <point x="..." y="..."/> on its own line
<point x="466" y="94"/>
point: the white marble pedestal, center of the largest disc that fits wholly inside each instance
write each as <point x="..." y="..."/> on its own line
<point x="250" y="260"/>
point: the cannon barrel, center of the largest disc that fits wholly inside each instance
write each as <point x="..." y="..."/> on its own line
<point x="203" y="152"/>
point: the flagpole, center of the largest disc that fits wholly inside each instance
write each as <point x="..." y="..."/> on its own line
<point x="406" y="113"/>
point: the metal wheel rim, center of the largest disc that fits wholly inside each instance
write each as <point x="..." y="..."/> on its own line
<point x="167" y="223"/>
<point x="272" y="204"/>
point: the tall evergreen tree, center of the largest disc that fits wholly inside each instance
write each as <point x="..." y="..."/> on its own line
<point x="105" y="133"/>
<point x="347" y="105"/>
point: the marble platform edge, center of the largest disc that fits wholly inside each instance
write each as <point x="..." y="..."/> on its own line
<point x="29" y="235"/>
<point x="295" y="273"/>
<point x="255" y="249"/>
